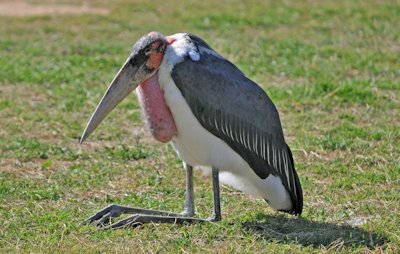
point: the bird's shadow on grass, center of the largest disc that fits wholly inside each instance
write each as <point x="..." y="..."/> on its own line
<point x="310" y="233"/>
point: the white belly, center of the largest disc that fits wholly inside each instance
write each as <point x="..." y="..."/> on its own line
<point x="198" y="147"/>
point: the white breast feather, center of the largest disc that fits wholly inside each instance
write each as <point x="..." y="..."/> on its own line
<point x="198" y="147"/>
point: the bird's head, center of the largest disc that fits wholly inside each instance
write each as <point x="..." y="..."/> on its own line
<point x="143" y="62"/>
<point x="147" y="54"/>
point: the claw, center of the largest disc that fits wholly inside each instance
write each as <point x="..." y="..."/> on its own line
<point x="127" y="222"/>
<point x="103" y="220"/>
<point x="101" y="216"/>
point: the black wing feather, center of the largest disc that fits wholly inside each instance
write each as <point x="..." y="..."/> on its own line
<point x="239" y="112"/>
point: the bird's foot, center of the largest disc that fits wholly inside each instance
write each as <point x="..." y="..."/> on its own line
<point x="140" y="219"/>
<point x="104" y="216"/>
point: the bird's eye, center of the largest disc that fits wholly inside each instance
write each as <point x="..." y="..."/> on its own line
<point x="147" y="51"/>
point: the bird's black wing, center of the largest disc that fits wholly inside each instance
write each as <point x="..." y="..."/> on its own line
<point x="239" y="112"/>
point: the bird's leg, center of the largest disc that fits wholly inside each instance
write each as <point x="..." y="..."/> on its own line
<point x="140" y="219"/>
<point x="189" y="200"/>
<point x="104" y="216"/>
<point x="142" y="216"/>
<point x="217" y="197"/>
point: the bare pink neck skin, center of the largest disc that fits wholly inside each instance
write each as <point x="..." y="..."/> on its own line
<point x="158" y="115"/>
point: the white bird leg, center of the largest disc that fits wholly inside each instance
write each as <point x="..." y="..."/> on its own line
<point x="217" y="197"/>
<point x="189" y="200"/>
<point x="141" y="216"/>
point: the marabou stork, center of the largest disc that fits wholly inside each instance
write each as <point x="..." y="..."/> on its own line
<point x="213" y="115"/>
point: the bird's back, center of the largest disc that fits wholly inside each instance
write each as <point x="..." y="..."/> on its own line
<point x="236" y="110"/>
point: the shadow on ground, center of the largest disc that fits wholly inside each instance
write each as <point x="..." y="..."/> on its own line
<point x="307" y="233"/>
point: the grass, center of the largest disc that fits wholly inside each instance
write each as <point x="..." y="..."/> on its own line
<point x="331" y="68"/>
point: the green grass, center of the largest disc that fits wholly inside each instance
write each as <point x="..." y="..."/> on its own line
<point x="332" y="69"/>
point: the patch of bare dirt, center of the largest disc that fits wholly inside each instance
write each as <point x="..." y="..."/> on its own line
<point x="22" y="9"/>
<point x="30" y="93"/>
<point x="32" y="169"/>
<point x="283" y="81"/>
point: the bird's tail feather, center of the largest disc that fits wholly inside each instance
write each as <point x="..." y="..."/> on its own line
<point x="296" y="194"/>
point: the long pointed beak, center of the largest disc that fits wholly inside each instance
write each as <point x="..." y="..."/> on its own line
<point x="122" y="85"/>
